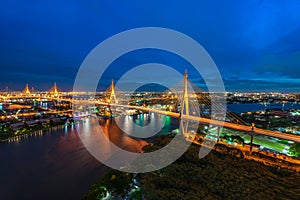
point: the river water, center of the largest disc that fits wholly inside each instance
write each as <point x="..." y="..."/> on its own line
<point x="56" y="165"/>
<point x="252" y="107"/>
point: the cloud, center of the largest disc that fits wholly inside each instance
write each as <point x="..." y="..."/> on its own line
<point x="287" y="65"/>
<point x="261" y="85"/>
<point x="249" y="40"/>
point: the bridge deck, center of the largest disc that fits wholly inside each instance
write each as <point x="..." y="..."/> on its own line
<point x="238" y="127"/>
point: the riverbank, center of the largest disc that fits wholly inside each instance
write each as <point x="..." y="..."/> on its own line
<point x="18" y="137"/>
<point x="216" y="176"/>
<point x="219" y="176"/>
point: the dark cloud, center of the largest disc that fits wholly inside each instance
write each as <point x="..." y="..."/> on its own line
<point x="287" y="65"/>
<point x="287" y="44"/>
<point x="260" y="85"/>
<point x="43" y="41"/>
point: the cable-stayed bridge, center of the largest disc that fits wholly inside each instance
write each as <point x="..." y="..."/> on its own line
<point x="189" y="111"/>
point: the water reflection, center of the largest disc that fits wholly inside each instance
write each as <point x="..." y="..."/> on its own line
<point x="141" y="126"/>
<point x="56" y="165"/>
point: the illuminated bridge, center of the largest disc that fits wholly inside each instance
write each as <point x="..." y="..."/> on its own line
<point x="184" y="113"/>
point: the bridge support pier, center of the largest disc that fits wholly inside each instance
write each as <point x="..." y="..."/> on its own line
<point x="219" y="130"/>
<point x="184" y="127"/>
<point x="251" y="141"/>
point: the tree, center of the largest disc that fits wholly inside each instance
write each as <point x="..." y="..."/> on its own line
<point x="295" y="149"/>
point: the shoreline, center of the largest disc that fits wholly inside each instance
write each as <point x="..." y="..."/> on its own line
<point x="18" y="137"/>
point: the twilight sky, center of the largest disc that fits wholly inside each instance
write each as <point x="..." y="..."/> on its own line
<point x="255" y="43"/>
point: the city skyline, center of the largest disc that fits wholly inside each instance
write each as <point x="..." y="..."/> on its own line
<point x="254" y="44"/>
<point x="150" y="99"/>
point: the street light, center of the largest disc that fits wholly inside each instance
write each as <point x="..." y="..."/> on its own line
<point x="253" y="126"/>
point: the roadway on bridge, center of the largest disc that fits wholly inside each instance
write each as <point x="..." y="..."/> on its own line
<point x="229" y="125"/>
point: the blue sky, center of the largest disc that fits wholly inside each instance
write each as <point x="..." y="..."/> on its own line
<point x="255" y="44"/>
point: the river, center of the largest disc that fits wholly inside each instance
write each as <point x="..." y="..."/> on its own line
<point x="252" y="107"/>
<point x="56" y="165"/>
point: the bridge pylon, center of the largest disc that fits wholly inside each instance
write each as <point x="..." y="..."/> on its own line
<point x="113" y="98"/>
<point x="26" y="90"/>
<point x="185" y="104"/>
<point x="54" y="90"/>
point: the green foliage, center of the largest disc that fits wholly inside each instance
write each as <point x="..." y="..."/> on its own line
<point x="234" y="138"/>
<point x="295" y="149"/>
<point x="219" y="176"/>
<point x="113" y="181"/>
<point x="136" y="195"/>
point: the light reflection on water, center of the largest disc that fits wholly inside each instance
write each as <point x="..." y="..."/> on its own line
<point x="56" y="165"/>
<point x="141" y="126"/>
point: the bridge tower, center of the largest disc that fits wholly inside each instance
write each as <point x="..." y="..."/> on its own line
<point x="113" y="98"/>
<point x="54" y="90"/>
<point x="185" y="104"/>
<point x="26" y="90"/>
